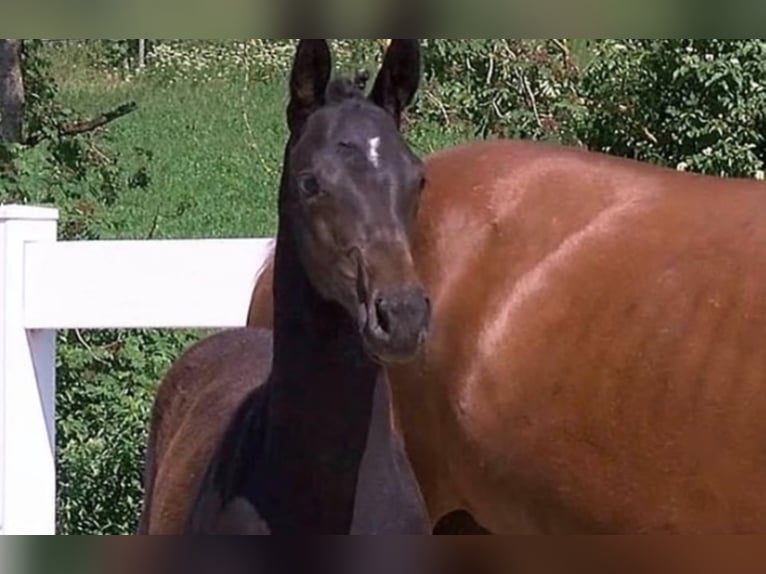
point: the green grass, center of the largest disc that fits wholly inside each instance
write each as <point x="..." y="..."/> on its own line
<point x="217" y="152"/>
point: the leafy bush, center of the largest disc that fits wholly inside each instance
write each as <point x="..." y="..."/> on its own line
<point x="505" y="88"/>
<point x="79" y="174"/>
<point x="693" y="104"/>
<point x="107" y="381"/>
<point x="696" y="105"/>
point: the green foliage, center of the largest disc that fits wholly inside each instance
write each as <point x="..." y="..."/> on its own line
<point x="694" y="104"/>
<point x="505" y="88"/>
<point x="106" y="383"/>
<point x="79" y="174"/>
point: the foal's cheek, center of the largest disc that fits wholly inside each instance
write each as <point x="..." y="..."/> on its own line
<point x="323" y="235"/>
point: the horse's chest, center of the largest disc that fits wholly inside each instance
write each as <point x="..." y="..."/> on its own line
<point x="388" y="499"/>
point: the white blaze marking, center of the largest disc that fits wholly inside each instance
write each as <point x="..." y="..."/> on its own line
<point x="374" y="152"/>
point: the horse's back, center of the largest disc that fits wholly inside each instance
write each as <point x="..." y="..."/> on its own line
<point x="194" y="404"/>
<point x="598" y="334"/>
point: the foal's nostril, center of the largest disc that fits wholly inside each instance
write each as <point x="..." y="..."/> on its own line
<point x="382" y="312"/>
<point x="424" y="314"/>
<point x="402" y="314"/>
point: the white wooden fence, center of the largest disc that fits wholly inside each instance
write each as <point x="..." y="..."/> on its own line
<point x="46" y="285"/>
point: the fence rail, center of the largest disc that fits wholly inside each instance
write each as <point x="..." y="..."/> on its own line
<point x="47" y="285"/>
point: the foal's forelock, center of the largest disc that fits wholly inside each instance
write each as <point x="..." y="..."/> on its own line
<point x="342" y="88"/>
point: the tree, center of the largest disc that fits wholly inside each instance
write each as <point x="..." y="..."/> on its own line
<point x="11" y="91"/>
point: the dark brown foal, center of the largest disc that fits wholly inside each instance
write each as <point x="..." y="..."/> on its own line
<point x="312" y="450"/>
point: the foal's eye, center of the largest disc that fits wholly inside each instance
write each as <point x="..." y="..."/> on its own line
<point x="422" y="184"/>
<point x="309" y="186"/>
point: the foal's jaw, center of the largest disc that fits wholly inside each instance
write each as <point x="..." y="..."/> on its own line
<point x="393" y="310"/>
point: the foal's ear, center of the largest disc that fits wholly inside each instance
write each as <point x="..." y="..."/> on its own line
<point x="310" y="75"/>
<point x="399" y="78"/>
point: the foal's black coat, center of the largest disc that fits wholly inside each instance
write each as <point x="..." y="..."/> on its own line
<point x="312" y="450"/>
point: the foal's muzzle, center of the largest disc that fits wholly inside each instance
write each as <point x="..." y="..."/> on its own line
<point x="397" y="324"/>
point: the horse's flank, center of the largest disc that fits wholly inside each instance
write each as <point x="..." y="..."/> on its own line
<point x="596" y="363"/>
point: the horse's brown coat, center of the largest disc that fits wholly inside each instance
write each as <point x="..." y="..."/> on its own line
<point x="597" y="362"/>
<point x="193" y="407"/>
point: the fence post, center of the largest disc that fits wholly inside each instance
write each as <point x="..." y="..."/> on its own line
<point x="27" y="385"/>
<point x="141" y="54"/>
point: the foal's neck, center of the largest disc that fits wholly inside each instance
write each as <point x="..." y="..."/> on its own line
<point x="321" y="392"/>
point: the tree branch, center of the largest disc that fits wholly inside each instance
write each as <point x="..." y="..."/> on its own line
<point x="85" y="126"/>
<point x="99" y="121"/>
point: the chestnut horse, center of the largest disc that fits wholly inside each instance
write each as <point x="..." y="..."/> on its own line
<point x="294" y="435"/>
<point x="596" y="362"/>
